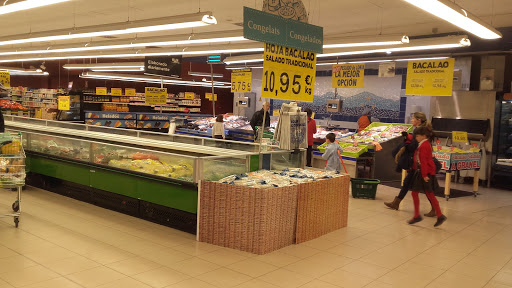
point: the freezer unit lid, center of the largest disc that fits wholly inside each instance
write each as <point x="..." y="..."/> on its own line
<point x="477" y="129"/>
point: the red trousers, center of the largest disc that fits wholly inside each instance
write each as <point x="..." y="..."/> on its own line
<point x="433" y="201"/>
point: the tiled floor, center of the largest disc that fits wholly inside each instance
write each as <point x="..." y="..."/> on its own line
<point x="62" y="242"/>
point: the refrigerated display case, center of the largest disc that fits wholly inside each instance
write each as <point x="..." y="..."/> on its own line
<point x="502" y="152"/>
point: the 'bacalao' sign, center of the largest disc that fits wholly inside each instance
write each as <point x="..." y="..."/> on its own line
<point x="268" y="28"/>
<point x="431" y="78"/>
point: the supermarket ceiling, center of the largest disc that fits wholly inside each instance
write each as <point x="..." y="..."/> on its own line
<point x="338" y="17"/>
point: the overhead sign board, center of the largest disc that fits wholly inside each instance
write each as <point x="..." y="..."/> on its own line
<point x="5" y="79"/>
<point x="430" y="78"/>
<point x="163" y="66"/>
<point x="348" y="76"/>
<point x="156" y="95"/>
<point x="241" y="80"/>
<point x="268" y="28"/>
<point x="63" y="103"/>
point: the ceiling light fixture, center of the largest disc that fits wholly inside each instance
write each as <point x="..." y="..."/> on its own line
<point x="458" y="16"/>
<point x="23" y="71"/>
<point x="365" y="42"/>
<point x="204" y="74"/>
<point x="27" y="4"/>
<point x="121" y="65"/>
<point x="133" y="27"/>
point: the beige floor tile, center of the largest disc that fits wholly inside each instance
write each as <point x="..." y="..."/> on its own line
<point x="330" y="259"/>
<point x="503" y="278"/>
<point x="223" y="257"/>
<point x="319" y="284"/>
<point x="349" y="251"/>
<point x="196" y="248"/>
<point x="71" y="265"/>
<point x="493" y="284"/>
<point x="310" y="268"/>
<point x="126" y="282"/>
<point x="161" y="277"/>
<point x="108" y="255"/>
<point x="322" y="244"/>
<point x="48" y="255"/>
<point x="28" y="276"/>
<point x="54" y="283"/>
<point x="286" y="279"/>
<point x="256" y="283"/>
<point x="492" y="262"/>
<point x="15" y="263"/>
<point x="378" y="284"/>
<point x="365" y="269"/>
<point x="95" y="276"/>
<point x="404" y="280"/>
<point x="346" y="279"/>
<point x="191" y="283"/>
<point x="165" y="257"/>
<point x="4" y="284"/>
<point x="194" y="266"/>
<point x="6" y="252"/>
<point x="300" y="251"/>
<point x="224" y="278"/>
<point x="451" y="279"/>
<point x="278" y="258"/>
<point x="474" y="271"/>
<point x="420" y="270"/>
<point x="133" y="266"/>
<point x="252" y="267"/>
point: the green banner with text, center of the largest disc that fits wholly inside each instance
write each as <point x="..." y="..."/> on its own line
<point x="268" y="28"/>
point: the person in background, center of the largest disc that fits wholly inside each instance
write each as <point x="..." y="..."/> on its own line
<point x="311" y="132"/>
<point x="332" y="153"/>
<point x="405" y="161"/>
<point x="364" y="121"/>
<point x="257" y="118"/>
<point x="425" y="176"/>
<point x="218" y="131"/>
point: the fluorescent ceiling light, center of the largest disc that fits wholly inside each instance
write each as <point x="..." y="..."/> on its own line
<point x="120" y="65"/>
<point x="151" y="79"/>
<point x="23" y="71"/>
<point x="133" y="27"/>
<point x="422" y="59"/>
<point x="27" y="4"/>
<point x="29" y="73"/>
<point x="458" y="16"/>
<point x="119" y="70"/>
<point x="366" y="42"/>
<point x="204" y="74"/>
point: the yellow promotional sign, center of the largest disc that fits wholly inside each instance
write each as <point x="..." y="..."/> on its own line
<point x="348" y="76"/>
<point x="190" y="95"/>
<point x="129" y="92"/>
<point x="5" y="79"/>
<point x="209" y="96"/>
<point x="101" y="90"/>
<point x="116" y="92"/>
<point x="431" y="78"/>
<point x="241" y="80"/>
<point x="63" y="103"/>
<point x="275" y="112"/>
<point x="288" y="74"/>
<point x="156" y="95"/>
<point x="460" y="137"/>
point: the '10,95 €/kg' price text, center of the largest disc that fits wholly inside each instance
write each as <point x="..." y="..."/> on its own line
<point x="288" y="73"/>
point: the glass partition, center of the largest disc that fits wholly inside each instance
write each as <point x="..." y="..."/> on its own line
<point x="57" y="146"/>
<point x="283" y="160"/>
<point x="117" y="131"/>
<point x="216" y="168"/>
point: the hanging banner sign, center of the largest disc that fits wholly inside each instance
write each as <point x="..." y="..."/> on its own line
<point x="129" y="92"/>
<point x="156" y="95"/>
<point x="348" y="76"/>
<point x="63" y="103"/>
<point x="460" y="137"/>
<point x="5" y="79"/>
<point x="430" y="78"/>
<point x="288" y="74"/>
<point x="268" y="28"/>
<point x="190" y="95"/>
<point x="209" y="96"/>
<point x="101" y="90"/>
<point x="387" y="69"/>
<point x="163" y="66"/>
<point x="116" y="91"/>
<point x="241" y="81"/>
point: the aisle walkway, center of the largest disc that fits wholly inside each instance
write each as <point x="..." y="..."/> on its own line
<point x="62" y="242"/>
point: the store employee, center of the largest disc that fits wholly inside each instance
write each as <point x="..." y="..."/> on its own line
<point x="257" y="118"/>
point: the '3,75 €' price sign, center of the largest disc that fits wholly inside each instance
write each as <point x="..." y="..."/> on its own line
<point x="288" y="73"/>
<point x="241" y="80"/>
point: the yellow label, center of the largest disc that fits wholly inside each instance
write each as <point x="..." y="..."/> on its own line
<point x="313" y="115"/>
<point x="101" y="90"/>
<point x="209" y="96"/>
<point x="156" y="95"/>
<point x="275" y="112"/>
<point x="241" y="80"/>
<point x="348" y="76"/>
<point x="116" y="92"/>
<point x="5" y="79"/>
<point x="431" y="78"/>
<point x="129" y="92"/>
<point x="64" y="102"/>
<point x="460" y="137"/>
<point x="288" y="74"/>
<point x="190" y="95"/>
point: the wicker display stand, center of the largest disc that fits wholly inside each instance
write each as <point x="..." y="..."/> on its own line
<point x="260" y="221"/>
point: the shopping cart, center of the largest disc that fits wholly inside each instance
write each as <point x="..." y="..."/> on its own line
<point x="12" y="169"/>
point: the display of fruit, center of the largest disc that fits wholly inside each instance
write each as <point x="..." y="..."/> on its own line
<point x="11" y="105"/>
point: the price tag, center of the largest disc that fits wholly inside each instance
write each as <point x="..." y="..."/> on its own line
<point x="209" y="96"/>
<point x="460" y="137"/>
<point x="5" y="79"/>
<point x="101" y="90"/>
<point x="348" y="76"/>
<point x="275" y="113"/>
<point x="156" y="95"/>
<point x="64" y="103"/>
<point x="129" y="92"/>
<point x="116" y="92"/>
<point x="241" y="80"/>
<point x="190" y="95"/>
<point x="288" y="73"/>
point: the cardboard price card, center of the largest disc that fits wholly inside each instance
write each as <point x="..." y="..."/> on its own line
<point x="431" y="78"/>
<point x="101" y="90"/>
<point x="209" y="96"/>
<point x="116" y="92"/>
<point x="63" y="103"/>
<point x="5" y="79"/>
<point x="129" y="92"/>
<point x="241" y="80"/>
<point x="348" y="76"/>
<point x="190" y="95"/>
<point x="460" y="137"/>
<point x="288" y="74"/>
<point x="156" y="95"/>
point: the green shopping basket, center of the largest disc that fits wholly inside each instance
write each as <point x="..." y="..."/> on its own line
<point x="364" y="188"/>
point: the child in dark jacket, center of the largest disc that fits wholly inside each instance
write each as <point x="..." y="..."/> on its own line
<point x="424" y="177"/>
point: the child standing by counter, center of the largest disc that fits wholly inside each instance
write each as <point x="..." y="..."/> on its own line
<point x="331" y="153"/>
